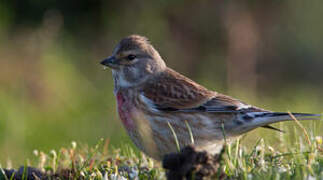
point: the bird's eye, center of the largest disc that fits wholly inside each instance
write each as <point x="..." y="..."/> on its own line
<point x="131" y="57"/>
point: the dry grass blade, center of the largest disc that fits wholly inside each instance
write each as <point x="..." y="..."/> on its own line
<point x="304" y="130"/>
<point x="190" y="132"/>
<point x="175" y="136"/>
<point x="4" y="174"/>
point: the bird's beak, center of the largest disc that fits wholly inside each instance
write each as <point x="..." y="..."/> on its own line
<point x="110" y="62"/>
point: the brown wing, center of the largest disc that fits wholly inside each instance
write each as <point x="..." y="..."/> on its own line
<point x="223" y="103"/>
<point x="172" y="91"/>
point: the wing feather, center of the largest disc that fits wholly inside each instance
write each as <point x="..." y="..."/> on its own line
<point x="174" y="92"/>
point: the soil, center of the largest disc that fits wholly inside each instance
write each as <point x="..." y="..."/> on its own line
<point x="192" y="164"/>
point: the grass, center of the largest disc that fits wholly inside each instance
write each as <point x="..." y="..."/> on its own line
<point x="264" y="162"/>
<point x="303" y="160"/>
<point x="96" y="162"/>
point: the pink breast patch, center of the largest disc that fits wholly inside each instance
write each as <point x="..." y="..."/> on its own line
<point x="124" y="109"/>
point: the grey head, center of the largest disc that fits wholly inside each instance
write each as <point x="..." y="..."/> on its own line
<point x="133" y="61"/>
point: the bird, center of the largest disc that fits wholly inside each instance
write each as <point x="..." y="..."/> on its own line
<point x="162" y="110"/>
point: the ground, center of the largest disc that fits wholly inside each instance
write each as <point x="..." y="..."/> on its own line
<point x="303" y="161"/>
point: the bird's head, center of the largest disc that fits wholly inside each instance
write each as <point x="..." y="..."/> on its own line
<point x="133" y="61"/>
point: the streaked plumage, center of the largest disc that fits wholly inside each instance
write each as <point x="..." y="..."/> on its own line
<point x="150" y="95"/>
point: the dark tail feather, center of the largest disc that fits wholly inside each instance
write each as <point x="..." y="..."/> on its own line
<point x="273" y="128"/>
<point x="275" y="114"/>
<point x="264" y="119"/>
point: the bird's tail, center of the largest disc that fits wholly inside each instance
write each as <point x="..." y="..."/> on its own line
<point x="253" y="120"/>
<point x="273" y="117"/>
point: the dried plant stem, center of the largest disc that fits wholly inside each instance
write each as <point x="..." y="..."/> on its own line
<point x="304" y="130"/>
<point x="175" y="136"/>
<point x="190" y="132"/>
<point x="223" y="133"/>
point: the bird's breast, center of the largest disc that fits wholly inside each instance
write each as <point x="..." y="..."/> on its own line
<point x="125" y="110"/>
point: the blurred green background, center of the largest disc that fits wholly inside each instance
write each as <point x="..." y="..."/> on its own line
<point x="53" y="90"/>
